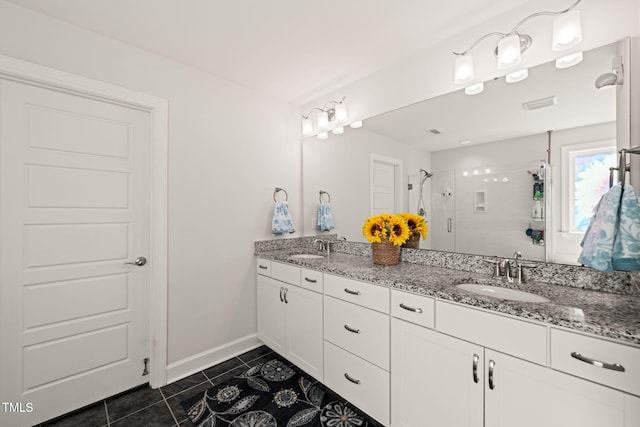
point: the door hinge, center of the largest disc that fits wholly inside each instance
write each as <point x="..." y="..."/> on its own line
<point x="146" y="367"/>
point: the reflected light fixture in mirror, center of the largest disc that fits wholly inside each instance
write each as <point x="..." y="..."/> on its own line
<point x="474" y="89"/>
<point x="567" y="33"/>
<point x="517" y="76"/>
<point x="569" y="60"/>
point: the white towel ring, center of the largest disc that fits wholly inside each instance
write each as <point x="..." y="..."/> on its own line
<point x="278" y="189"/>
<point x="322" y="192"/>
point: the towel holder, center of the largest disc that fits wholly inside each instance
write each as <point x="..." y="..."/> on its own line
<point x="623" y="166"/>
<point x="322" y="192"/>
<point x="277" y="190"/>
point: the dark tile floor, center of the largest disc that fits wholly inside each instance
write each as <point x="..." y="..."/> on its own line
<point x="146" y="407"/>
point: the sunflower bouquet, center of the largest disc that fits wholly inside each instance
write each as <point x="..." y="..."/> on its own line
<point x="417" y="224"/>
<point x="393" y="228"/>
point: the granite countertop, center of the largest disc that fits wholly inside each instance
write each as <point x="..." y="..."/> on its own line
<point x="600" y="313"/>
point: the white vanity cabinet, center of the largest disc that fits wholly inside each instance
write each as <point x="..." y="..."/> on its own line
<point x="449" y="376"/>
<point x="356" y="331"/>
<point x="290" y="316"/>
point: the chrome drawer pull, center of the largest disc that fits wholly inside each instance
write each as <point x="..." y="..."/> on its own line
<point x="310" y="280"/>
<point x="349" y="291"/>
<point x="353" y="380"/>
<point x="355" y="331"/>
<point x="613" y="366"/>
<point x="264" y="267"/>
<point x="285" y="295"/>
<point x="406" y="307"/>
<point x="492" y="366"/>
<point x="281" y="291"/>
<point x="476" y="359"/>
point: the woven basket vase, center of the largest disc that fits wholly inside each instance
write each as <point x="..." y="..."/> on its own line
<point x="385" y="253"/>
<point x="413" y="242"/>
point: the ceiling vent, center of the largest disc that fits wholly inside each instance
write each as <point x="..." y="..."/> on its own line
<point x="540" y="103"/>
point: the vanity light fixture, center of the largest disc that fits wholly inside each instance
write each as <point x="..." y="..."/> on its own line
<point x="569" y="60"/>
<point x="567" y="33"/>
<point x="356" y="125"/>
<point x="332" y="114"/>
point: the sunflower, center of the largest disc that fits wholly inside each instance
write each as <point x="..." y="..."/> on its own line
<point x="416" y="223"/>
<point x="374" y="229"/>
<point x="398" y="230"/>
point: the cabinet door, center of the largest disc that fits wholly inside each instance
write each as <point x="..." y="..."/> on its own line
<point x="432" y="379"/>
<point x="271" y="313"/>
<point x="529" y="395"/>
<point x="304" y="343"/>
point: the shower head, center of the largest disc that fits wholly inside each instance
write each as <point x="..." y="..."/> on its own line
<point x="610" y="79"/>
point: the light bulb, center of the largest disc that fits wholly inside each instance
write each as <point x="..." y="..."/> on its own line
<point x="341" y="113"/>
<point x="509" y="53"/>
<point x="323" y="120"/>
<point x="474" y="89"/>
<point x="517" y="76"/>
<point x="338" y="131"/>
<point x="569" y="60"/>
<point x="323" y="135"/>
<point x="567" y="30"/>
<point x="356" y="125"/>
<point x="463" y="71"/>
<point x="307" y="127"/>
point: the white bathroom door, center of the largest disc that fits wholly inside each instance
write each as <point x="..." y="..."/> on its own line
<point x="74" y="193"/>
<point x="385" y="185"/>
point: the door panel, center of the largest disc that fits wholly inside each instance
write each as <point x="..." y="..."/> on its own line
<point x="74" y="191"/>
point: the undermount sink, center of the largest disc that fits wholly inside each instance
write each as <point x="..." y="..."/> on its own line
<point x="307" y="256"/>
<point x="503" y="293"/>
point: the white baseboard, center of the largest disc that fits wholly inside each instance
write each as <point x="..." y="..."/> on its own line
<point x="198" y="362"/>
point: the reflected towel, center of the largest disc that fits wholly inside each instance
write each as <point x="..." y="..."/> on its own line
<point x="626" y="246"/>
<point x="597" y="244"/>
<point x="282" y="222"/>
<point x="325" y="218"/>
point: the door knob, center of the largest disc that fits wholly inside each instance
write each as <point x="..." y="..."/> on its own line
<point x="140" y="261"/>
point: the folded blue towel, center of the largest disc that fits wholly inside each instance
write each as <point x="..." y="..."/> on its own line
<point x="325" y="218"/>
<point x="597" y="244"/>
<point x="282" y="222"/>
<point x="626" y="246"/>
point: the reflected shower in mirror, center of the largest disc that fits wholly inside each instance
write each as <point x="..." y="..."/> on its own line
<point x="487" y="154"/>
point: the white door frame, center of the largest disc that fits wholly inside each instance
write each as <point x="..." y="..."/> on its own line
<point x="158" y="109"/>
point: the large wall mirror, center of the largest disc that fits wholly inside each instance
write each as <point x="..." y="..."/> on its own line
<point x="513" y="168"/>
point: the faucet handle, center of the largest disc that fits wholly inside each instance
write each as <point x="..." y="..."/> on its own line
<point x="496" y="266"/>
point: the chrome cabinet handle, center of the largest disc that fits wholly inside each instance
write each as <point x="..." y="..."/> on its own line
<point x="349" y="291"/>
<point x="350" y="378"/>
<point x="140" y="261"/>
<point x="264" y="267"/>
<point x="348" y="328"/>
<point x="281" y="291"/>
<point x="310" y="280"/>
<point x="406" y="307"/>
<point x="613" y="366"/>
<point x="286" y="301"/>
<point x="476" y="359"/>
<point x="448" y="225"/>
<point x="492" y="366"/>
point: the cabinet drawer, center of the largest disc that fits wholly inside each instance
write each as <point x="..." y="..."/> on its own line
<point x="413" y="308"/>
<point x="361" y="383"/>
<point x="357" y="329"/>
<point x="311" y="279"/>
<point x="263" y="267"/>
<point x="516" y="337"/>
<point x="285" y="273"/>
<point x="361" y="293"/>
<point x="605" y="355"/>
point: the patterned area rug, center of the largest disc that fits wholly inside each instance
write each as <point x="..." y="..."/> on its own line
<point x="273" y="394"/>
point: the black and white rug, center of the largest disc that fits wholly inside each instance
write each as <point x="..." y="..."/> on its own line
<point x="273" y="394"/>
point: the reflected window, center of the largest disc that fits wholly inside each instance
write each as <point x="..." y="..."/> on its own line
<point x="588" y="180"/>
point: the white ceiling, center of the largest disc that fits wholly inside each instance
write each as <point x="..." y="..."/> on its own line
<point x="294" y="50"/>
<point x="497" y="113"/>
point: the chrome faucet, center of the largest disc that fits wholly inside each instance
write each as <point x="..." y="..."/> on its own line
<point x="324" y="245"/>
<point x="505" y="270"/>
